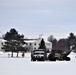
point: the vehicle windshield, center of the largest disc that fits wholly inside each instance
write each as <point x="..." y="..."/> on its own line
<point x="38" y="52"/>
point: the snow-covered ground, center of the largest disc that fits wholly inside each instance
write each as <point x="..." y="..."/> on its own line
<point x="23" y="66"/>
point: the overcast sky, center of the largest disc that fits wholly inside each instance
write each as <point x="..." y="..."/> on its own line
<point x="34" y="17"/>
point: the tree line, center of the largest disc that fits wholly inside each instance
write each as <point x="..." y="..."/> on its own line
<point x="64" y="43"/>
<point x="15" y="43"/>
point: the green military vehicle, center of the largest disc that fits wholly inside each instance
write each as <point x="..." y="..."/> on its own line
<point x="59" y="55"/>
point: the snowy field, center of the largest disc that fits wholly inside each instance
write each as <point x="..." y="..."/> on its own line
<point x="23" y="66"/>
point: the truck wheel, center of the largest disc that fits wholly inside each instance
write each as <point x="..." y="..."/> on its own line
<point x="43" y="60"/>
<point x="52" y="59"/>
<point x="67" y="59"/>
<point x="33" y="59"/>
<point x="39" y="60"/>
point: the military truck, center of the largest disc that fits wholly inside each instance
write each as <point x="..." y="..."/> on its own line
<point x="39" y="55"/>
<point x="59" y="55"/>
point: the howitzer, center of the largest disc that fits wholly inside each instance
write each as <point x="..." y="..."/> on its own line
<point x="59" y="55"/>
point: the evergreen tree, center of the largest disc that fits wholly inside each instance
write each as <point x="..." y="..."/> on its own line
<point x="72" y="36"/>
<point x="42" y="44"/>
<point x="71" y="40"/>
<point x="14" y="42"/>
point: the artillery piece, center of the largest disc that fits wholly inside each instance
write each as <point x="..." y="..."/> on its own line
<point x="59" y="55"/>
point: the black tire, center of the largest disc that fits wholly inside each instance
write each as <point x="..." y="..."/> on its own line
<point x="33" y="59"/>
<point x="52" y="59"/>
<point x="67" y="59"/>
<point x="39" y="59"/>
<point x="43" y="60"/>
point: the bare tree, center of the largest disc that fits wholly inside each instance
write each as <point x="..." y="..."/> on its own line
<point x="53" y="40"/>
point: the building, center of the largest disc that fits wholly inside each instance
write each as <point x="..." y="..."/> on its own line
<point x="2" y="42"/>
<point x="32" y="44"/>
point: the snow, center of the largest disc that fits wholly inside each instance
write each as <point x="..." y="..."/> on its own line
<point x="24" y="66"/>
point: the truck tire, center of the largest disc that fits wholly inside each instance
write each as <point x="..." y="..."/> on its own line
<point x="67" y="59"/>
<point x="33" y="59"/>
<point x="52" y="59"/>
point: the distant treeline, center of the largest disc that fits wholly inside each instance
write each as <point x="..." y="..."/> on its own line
<point x="64" y="43"/>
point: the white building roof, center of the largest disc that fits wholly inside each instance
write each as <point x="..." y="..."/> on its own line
<point x="30" y="41"/>
<point x="36" y="40"/>
<point x="2" y="40"/>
